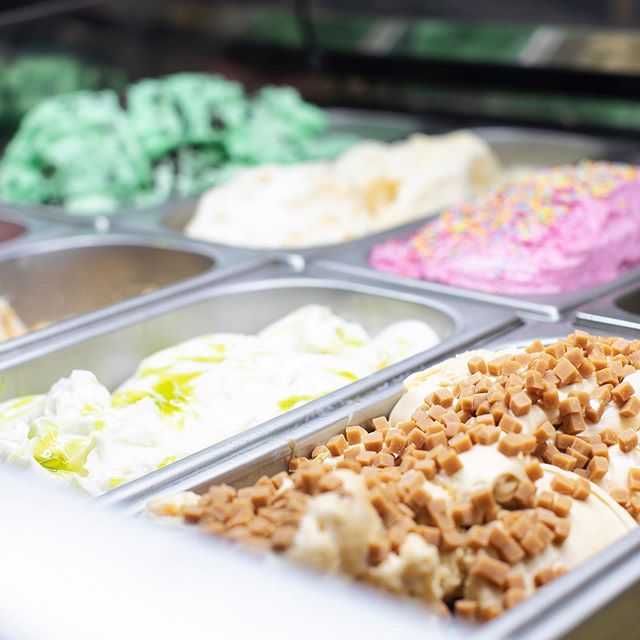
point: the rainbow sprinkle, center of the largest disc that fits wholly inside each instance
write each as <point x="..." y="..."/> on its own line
<point x="521" y="211"/>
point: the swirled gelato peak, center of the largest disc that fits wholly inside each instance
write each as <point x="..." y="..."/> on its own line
<point x="545" y="231"/>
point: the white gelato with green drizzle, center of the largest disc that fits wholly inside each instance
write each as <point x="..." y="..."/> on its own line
<point x="190" y="396"/>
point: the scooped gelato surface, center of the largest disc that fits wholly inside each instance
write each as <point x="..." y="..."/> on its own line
<point x="546" y="231"/>
<point x="372" y="186"/>
<point x="192" y="395"/>
<point x="495" y="473"/>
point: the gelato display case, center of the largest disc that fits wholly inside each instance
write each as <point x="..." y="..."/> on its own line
<point x="336" y="299"/>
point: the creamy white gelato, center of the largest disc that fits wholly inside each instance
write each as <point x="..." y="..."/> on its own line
<point x="193" y="395"/>
<point x="371" y="187"/>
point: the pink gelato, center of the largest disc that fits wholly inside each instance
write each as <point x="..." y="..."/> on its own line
<point x="547" y="231"/>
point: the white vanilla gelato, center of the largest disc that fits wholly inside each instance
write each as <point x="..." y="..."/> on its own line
<point x="193" y="395"/>
<point x="371" y="187"/>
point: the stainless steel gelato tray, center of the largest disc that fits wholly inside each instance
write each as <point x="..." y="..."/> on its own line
<point x="581" y="595"/>
<point x="620" y="308"/>
<point x="352" y="258"/>
<point x="114" y="347"/>
<point x="60" y="282"/>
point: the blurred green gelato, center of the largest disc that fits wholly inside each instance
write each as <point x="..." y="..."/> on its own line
<point x="173" y="137"/>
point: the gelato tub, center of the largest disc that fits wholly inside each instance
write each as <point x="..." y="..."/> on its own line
<point x="517" y="238"/>
<point x="187" y="397"/>
<point x="369" y="187"/>
<point x="161" y="138"/>
<point x="347" y="485"/>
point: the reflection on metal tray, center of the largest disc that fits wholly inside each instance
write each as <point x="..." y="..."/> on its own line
<point x="546" y="614"/>
<point x="620" y="308"/>
<point x="112" y="349"/>
<point x="352" y="258"/>
<point x="57" y="283"/>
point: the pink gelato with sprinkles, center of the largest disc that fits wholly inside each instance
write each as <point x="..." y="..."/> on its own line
<point x="548" y="231"/>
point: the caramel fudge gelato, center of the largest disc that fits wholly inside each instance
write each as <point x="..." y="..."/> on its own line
<point x="495" y="473"/>
<point x="520" y="236"/>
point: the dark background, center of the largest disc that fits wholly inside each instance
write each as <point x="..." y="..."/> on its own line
<point x="617" y="13"/>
